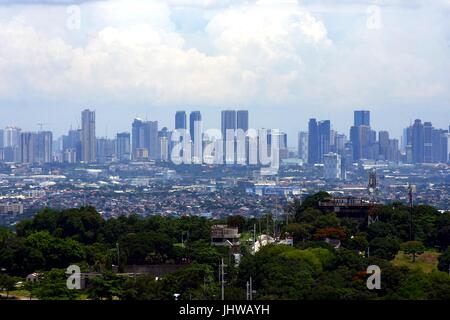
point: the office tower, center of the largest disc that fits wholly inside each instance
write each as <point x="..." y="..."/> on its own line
<point x="339" y="143"/>
<point x="151" y="140"/>
<point x="165" y="144"/>
<point x="302" y="150"/>
<point x="44" y="147"/>
<point x="28" y="147"/>
<point x="332" y="166"/>
<point x="439" y="146"/>
<point x="361" y="118"/>
<point x="324" y="128"/>
<point x="137" y="137"/>
<point x="73" y="142"/>
<point x="180" y="120"/>
<point x="88" y="140"/>
<point x="105" y="150"/>
<point x="427" y="142"/>
<point x="347" y="157"/>
<point x="383" y="143"/>
<point x="282" y="145"/>
<point x="417" y="142"/>
<point x="2" y="138"/>
<point x="393" y="153"/>
<point x="11" y="136"/>
<point x="242" y="120"/>
<point x="361" y="137"/>
<point x="123" y="146"/>
<point x="195" y="131"/>
<point x="2" y="155"/>
<point x="313" y="142"/>
<point x="194" y="117"/>
<point x="228" y="124"/>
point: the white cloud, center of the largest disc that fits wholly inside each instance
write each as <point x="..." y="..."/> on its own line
<point x="257" y="54"/>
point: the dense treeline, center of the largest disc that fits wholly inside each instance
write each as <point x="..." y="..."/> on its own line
<point x="312" y="269"/>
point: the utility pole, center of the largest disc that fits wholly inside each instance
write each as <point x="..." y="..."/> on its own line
<point x="222" y="278"/>
<point x="251" y="288"/>
<point x="410" y="194"/>
<point x="247" y="292"/>
<point x="118" y="256"/>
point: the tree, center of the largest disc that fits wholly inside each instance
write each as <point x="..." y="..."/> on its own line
<point x="52" y="285"/>
<point x="7" y="283"/>
<point x="413" y="248"/>
<point x="384" y="248"/>
<point x="444" y="261"/>
<point x="105" y="286"/>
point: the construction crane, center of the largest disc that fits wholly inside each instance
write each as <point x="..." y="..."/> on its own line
<point x="41" y="125"/>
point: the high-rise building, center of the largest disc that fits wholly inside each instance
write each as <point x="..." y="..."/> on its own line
<point x="28" y="147"/>
<point x="361" y="118"/>
<point x="137" y="138"/>
<point x="361" y="137"/>
<point x="165" y="144"/>
<point x="313" y="142"/>
<point x="11" y="136"/>
<point x="242" y="120"/>
<point x="123" y="146"/>
<point x="106" y="149"/>
<point x="180" y="120"/>
<point x="417" y="142"/>
<point x="195" y="131"/>
<point x="194" y="117"/>
<point x="383" y="144"/>
<point x="44" y="147"/>
<point x="427" y="142"/>
<point x="2" y="138"/>
<point x="228" y="127"/>
<point x="302" y="150"/>
<point x="151" y="139"/>
<point x="332" y="166"/>
<point x="88" y="139"/>
<point x="324" y="128"/>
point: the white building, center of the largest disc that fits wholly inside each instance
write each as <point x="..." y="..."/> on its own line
<point x="332" y="166"/>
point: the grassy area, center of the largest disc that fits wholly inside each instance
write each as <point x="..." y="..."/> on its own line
<point x="426" y="262"/>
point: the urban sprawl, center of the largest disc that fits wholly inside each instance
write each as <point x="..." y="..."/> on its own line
<point x="136" y="172"/>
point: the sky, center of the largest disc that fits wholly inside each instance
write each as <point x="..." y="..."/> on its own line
<point x="285" y="61"/>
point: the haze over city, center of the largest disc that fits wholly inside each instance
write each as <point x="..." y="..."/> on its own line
<point x="284" y="61"/>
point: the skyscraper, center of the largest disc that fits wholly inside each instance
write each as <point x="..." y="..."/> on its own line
<point x="313" y="142"/>
<point x="180" y="120"/>
<point x="44" y="147"/>
<point x="88" y="140"/>
<point x="361" y="118"/>
<point x="303" y="146"/>
<point x="28" y="147"/>
<point x="195" y="131"/>
<point x="228" y="125"/>
<point x="242" y="120"/>
<point x="383" y="144"/>
<point x="151" y="139"/>
<point x="324" y="128"/>
<point x="427" y="142"/>
<point x="137" y="138"/>
<point x="417" y="142"/>
<point x="123" y="146"/>
<point x="332" y="166"/>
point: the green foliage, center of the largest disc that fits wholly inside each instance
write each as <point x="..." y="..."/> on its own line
<point x="413" y="248"/>
<point x="444" y="261"/>
<point x="52" y="286"/>
<point x="384" y="248"/>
